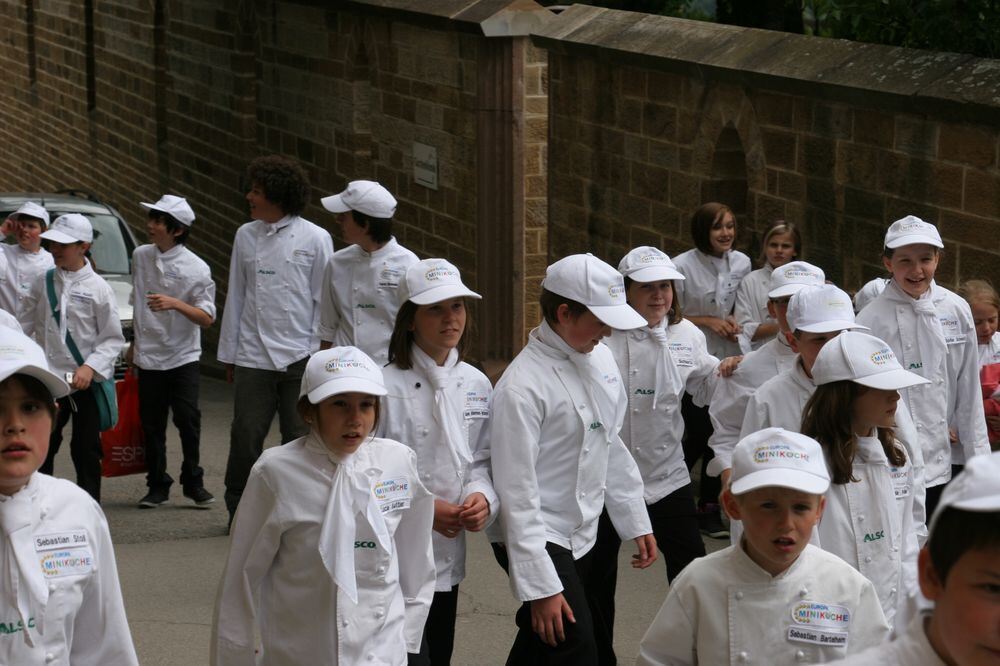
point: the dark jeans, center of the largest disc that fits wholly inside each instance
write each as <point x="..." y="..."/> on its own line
<point x="934" y="492"/>
<point x="257" y="395"/>
<point x="175" y="390"/>
<point x="439" y="631"/>
<point x="84" y="443"/>
<point x="697" y="430"/>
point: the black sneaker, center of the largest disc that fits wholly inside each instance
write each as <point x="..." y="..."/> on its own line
<point x="710" y="523"/>
<point x="153" y="499"/>
<point x="201" y="497"/>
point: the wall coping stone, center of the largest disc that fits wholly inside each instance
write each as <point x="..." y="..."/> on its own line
<point x="490" y="18"/>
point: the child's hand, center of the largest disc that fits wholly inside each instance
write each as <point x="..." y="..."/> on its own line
<point x="9" y="227"/>
<point x="82" y="378"/>
<point x="734" y="328"/>
<point x="475" y="512"/>
<point x="547" y="618"/>
<point x="728" y="366"/>
<point x="952" y="436"/>
<point x="647" y="551"/>
<point x="446" y="518"/>
<point x="161" y="302"/>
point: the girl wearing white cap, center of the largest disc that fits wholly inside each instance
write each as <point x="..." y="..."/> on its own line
<point x="782" y="243"/>
<point x="330" y="558"/>
<point x="60" y="599"/>
<point x="440" y="406"/>
<point x="24" y="262"/>
<point x="869" y="507"/>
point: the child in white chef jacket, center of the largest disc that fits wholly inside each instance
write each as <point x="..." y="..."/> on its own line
<point x="868" y="521"/>
<point x="60" y="597"/>
<point x="558" y="461"/>
<point x="931" y="331"/>
<point x="773" y="598"/>
<point x="959" y="570"/>
<point x="984" y="302"/>
<point x="330" y="558"/>
<point x="782" y="243"/>
<point x="24" y="262"/>
<point x="440" y="406"/>
<point x="360" y="295"/>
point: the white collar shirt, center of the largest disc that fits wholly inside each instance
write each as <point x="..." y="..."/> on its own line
<point x="272" y="308"/>
<point x="80" y="617"/>
<point x="709" y="290"/>
<point x="361" y="297"/>
<point x="911" y="648"/>
<point x="990" y="352"/>
<point x="724" y="609"/>
<point x="751" y="306"/>
<point x="167" y="339"/>
<point x="88" y="304"/>
<point x="275" y="580"/>
<point x="653" y="436"/>
<point x="408" y="416"/>
<point x="19" y="269"/>
<point x="953" y="398"/>
<point x="554" y="467"/>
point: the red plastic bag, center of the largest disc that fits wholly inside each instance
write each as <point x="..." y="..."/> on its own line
<point x="123" y="445"/>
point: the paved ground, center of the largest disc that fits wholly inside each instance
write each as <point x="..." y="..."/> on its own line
<point x="170" y="560"/>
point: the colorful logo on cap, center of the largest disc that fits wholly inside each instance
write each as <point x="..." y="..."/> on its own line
<point x="800" y="274"/>
<point x="617" y="290"/>
<point x="340" y="364"/>
<point x="914" y="226"/>
<point x="440" y="273"/>
<point x="769" y="453"/>
<point x="649" y="258"/>
<point x="883" y="356"/>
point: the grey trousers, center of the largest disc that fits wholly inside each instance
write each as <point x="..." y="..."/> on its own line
<point x="257" y="395"/>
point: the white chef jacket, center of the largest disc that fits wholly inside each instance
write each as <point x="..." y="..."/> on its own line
<point x="911" y="648"/>
<point x="653" y="437"/>
<point x="92" y="321"/>
<point x="869" y="525"/>
<point x="990" y="352"/>
<point x="19" y="269"/>
<point x="82" y="620"/>
<point x="710" y="290"/>
<point x="275" y="284"/>
<point x="553" y="467"/>
<point x="166" y="340"/>
<point x="751" y="306"/>
<point x="954" y="396"/>
<point x="408" y="416"/>
<point x="729" y="402"/>
<point x="724" y="609"/>
<point x="275" y="579"/>
<point x="361" y="297"/>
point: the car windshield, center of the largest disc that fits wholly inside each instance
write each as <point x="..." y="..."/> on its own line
<point x="111" y="249"/>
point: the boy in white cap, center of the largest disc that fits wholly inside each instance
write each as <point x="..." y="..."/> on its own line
<point x="959" y="571"/>
<point x="932" y="332"/>
<point x="24" y="262"/>
<point x="176" y="299"/>
<point x="76" y="322"/>
<point x="773" y="598"/>
<point x="558" y="461"/>
<point x="360" y="295"/>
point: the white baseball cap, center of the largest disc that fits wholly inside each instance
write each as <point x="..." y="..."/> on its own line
<point x="364" y="196"/>
<point x="779" y="457"/>
<point x="31" y="209"/>
<point x="869" y="293"/>
<point x="175" y="207"/>
<point x="340" y="370"/>
<point x="589" y="281"/>
<point x="432" y="281"/>
<point x="789" y="278"/>
<point x="912" y="230"/>
<point x="975" y="488"/>
<point x="821" y="309"/>
<point x="648" y="264"/>
<point x="863" y="359"/>
<point x="70" y="228"/>
<point x="20" y="355"/>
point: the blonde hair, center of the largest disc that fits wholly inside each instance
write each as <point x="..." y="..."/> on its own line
<point x="777" y="229"/>
<point x="979" y="291"/>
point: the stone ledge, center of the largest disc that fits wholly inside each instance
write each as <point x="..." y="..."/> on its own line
<point x="490" y="18"/>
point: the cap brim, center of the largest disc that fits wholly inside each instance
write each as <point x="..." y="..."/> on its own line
<point x="892" y="380"/>
<point x="618" y="317"/>
<point x="345" y="385"/>
<point x="832" y="326"/>
<point x="788" y="290"/>
<point x="655" y="274"/>
<point x="56" y="386"/>
<point x="442" y="293"/>
<point x="915" y="239"/>
<point x="57" y="236"/>
<point x="783" y="478"/>
<point x="335" y="204"/>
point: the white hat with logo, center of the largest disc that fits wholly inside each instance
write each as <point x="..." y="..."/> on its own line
<point x="366" y="197"/>
<point x="911" y="230"/>
<point x="174" y="206"/>
<point x="432" y="281"/>
<point x="869" y="292"/>
<point x="789" y="278"/>
<point x="589" y="281"/>
<point x="340" y="370"/>
<point x="70" y="228"/>
<point x="648" y="264"/>
<point x="863" y="359"/>
<point x="779" y="457"/>
<point x="975" y="488"/>
<point x="822" y="309"/>
<point x="20" y="355"/>
<point x="31" y="209"/>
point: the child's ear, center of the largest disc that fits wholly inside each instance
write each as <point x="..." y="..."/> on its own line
<point x="771" y="311"/>
<point x="792" y="341"/>
<point x="930" y="583"/>
<point x="731" y="505"/>
<point x="887" y="262"/>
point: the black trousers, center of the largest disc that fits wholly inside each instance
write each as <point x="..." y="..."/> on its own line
<point x="934" y="492"/>
<point x="84" y="444"/>
<point x="439" y="631"/>
<point x="697" y="430"/>
<point x="175" y="390"/>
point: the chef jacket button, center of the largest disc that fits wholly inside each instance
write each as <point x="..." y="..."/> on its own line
<point x="379" y="613"/>
<point x="343" y="623"/>
<point x="371" y="657"/>
<point x="804" y="592"/>
<point x="635" y="371"/>
<point x="940" y="456"/>
<point x="739" y="595"/>
<point x="52" y="588"/>
<point x="582" y="406"/>
<point x="582" y="495"/>
<point x="892" y="591"/>
<point x="355" y="289"/>
<point x="44" y="512"/>
<point x="635" y="410"/>
<point x="895" y="549"/>
<point x="743" y="656"/>
<point x="800" y="655"/>
<point x="424" y="432"/>
<point x="49" y="658"/>
<point x="908" y="346"/>
<point x="861" y="518"/>
<point x="586" y="449"/>
<point x="868" y="559"/>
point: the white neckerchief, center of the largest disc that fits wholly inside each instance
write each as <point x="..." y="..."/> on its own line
<point x="23" y="584"/>
<point x="168" y="255"/>
<point x="69" y="278"/>
<point x="668" y="377"/>
<point x="725" y="297"/>
<point x="930" y="337"/>
<point x="446" y="413"/>
<point x="350" y="494"/>
<point x="606" y="398"/>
